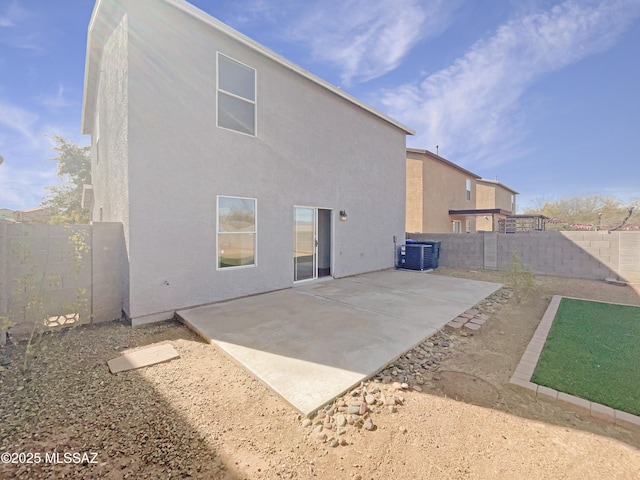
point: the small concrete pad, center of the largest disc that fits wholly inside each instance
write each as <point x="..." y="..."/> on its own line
<point x="143" y="358"/>
<point x="313" y="342"/>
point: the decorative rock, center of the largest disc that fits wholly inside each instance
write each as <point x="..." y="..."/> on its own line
<point x="405" y="386"/>
<point x="341" y="420"/>
<point x="353" y="409"/>
<point x="318" y="429"/>
<point x="363" y="409"/>
<point x="368" y="425"/>
<point x="417" y="388"/>
<point x="306" y="422"/>
<point x="370" y="399"/>
<point x="333" y="443"/>
<point x="396" y="386"/>
<point x="321" y="436"/>
<point x="389" y="401"/>
<point x="393" y="409"/>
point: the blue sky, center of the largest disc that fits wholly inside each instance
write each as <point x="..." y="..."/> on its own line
<point x="543" y="94"/>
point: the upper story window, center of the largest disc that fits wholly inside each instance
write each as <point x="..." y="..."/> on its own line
<point x="513" y="204"/>
<point x="468" y="189"/>
<point x="236" y="96"/>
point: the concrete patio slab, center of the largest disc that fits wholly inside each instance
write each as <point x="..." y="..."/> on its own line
<point x="313" y="342"/>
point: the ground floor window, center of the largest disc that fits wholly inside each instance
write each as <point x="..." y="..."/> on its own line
<point x="237" y="232"/>
<point x="467" y="226"/>
<point x="457" y="226"/>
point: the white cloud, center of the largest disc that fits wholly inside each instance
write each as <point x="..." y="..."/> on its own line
<point x="364" y="39"/>
<point x="21" y="187"/>
<point x="25" y="148"/>
<point x="361" y="39"/>
<point x="56" y="100"/>
<point x="19" y="121"/>
<point x="471" y="108"/>
<point x="12" y="15"/>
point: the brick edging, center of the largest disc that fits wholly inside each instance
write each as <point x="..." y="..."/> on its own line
<point x="524" y="371"/>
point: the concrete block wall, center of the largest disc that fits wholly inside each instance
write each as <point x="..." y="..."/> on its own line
<point x="457" y="250"/>
<point x="72" y="269"/>
<point x="42" y="264"/>
<point x="629" y="251"/>
<point x="590" y="255"/>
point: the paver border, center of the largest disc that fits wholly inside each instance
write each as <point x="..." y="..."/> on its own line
<point x="524" y="371"/>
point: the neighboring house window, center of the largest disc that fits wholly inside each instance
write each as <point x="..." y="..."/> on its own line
<point x="468" y="189"/>
<point x="457" y="224"/>
<point x="513" y="204"/>
<point x="467" y="226"/>
<point x="236" y="232"/>
<point x="236" y="96"/>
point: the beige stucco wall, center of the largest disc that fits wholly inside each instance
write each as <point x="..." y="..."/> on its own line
<point x="443" y="189"/>
<point x="485" y="195"/>
<point x="415" y="192"/>
<point x="492" y="195"/>
<point x="503" y="199"/>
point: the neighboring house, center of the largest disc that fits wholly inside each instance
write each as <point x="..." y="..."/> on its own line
<point x="438" y="194"/>
<point x="443" y="197"/>
<point x="232" y="170"/>
<point x="6" y="214"/>
<point x="498" y="202"/>
<point x="32" y="215"/>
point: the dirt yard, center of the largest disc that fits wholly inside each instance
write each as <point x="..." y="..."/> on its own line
<point x="202" y="416"/>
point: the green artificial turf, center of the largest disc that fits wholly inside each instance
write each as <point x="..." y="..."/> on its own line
<point x="593" y="352"/>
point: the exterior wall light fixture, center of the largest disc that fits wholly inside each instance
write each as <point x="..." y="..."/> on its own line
<point x="343" y="215"/>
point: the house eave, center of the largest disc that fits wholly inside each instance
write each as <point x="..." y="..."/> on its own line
<point x="495" y="182"/>
<point x="443" y="161"/>
<point x="480" y="211"/>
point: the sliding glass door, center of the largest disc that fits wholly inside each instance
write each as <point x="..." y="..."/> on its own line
<point x="305" y="243"/>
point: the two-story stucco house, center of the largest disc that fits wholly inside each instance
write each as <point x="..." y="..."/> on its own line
<point x="232" y="170"/>
<point x="498" y="200"/>
<point x="443" y="197"/>
<point x="438" y="193"/>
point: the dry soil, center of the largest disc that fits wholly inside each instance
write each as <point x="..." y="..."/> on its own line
<point x="203" y="416"/>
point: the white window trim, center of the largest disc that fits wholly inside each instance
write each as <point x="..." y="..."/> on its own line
<point x="467" y="226"/>
<point x="255" y="96"/>
<point x="255" y="232"/>
<point x="468" y="189"/>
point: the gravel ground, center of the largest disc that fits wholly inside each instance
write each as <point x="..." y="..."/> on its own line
<point x="445" y="410"/>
